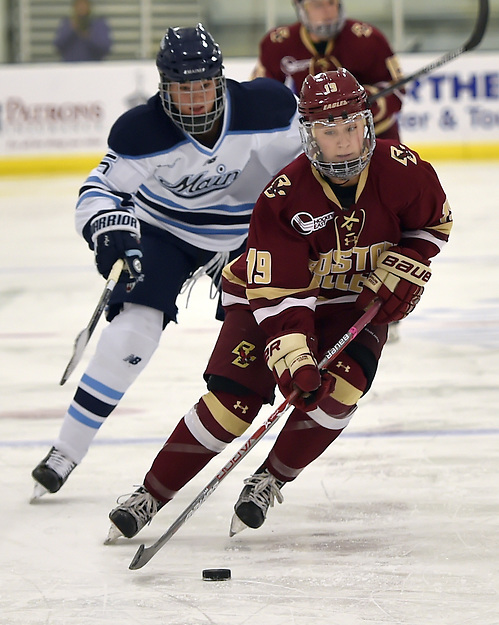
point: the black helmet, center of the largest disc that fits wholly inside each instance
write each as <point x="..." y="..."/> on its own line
<point x="190" y="55"/>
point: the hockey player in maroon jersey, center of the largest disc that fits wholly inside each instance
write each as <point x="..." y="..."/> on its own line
<point x="324" y="39"/>
<point x="350" y="220"/>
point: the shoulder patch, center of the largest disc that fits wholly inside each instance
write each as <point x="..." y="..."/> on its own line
<point x="402" y="154"/>
<point x="361" y="29"/>
<point x="277" y="187"/>
<point x="280" y="34"/>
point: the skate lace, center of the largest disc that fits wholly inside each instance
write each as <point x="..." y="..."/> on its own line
<point x="60" y="464"/>
<point x="140" y="504"/>
<point x="266" y="489"/>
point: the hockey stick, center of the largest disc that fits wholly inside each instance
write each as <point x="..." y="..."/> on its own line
<point x="83" y="337"/>
<point x="475" y="38"/>
<point x="144" y="554"/>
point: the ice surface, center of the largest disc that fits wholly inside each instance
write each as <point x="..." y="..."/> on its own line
<point x="397" y="523"/>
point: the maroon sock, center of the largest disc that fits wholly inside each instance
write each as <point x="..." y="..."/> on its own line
<point x="181" y="458"/>
<point x="299" y="443"/>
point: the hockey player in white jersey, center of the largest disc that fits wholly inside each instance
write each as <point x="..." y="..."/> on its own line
<point x="172" y="197"/>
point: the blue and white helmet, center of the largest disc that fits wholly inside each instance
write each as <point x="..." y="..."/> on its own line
<point x="191" y="55"/>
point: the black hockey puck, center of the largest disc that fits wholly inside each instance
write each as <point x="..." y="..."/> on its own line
<point x="216" y="575"/>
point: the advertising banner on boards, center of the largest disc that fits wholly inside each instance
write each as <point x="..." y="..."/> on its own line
<point x="65" y="110"/>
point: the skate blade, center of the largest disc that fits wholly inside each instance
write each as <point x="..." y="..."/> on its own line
<point x="236" y="526"/>
<point x="38" y="492"/>
<point x="113" y="535"/>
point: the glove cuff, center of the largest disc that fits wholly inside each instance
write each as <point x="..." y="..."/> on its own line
<point x="114" y="220"/>
<point x="402" y="266"/>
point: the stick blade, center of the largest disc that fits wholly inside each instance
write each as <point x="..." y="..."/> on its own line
<point x="140" y="558"/>
<point x="78" y="349"/>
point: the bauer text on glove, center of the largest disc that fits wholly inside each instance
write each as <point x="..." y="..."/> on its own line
<point x="398" y="281"/>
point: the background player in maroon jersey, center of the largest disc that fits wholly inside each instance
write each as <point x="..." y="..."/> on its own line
<point x="350" y="220"/>
<point x="324" y="39"/>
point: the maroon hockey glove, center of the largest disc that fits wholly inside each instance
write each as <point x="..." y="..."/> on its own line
<point x="294" y="366"/>
<point x="398" y="281"/>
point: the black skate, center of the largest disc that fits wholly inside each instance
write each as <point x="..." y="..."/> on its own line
<point x="51" y="473"/>
<point x="129" y="517"/>
<point x="255" y="499"/>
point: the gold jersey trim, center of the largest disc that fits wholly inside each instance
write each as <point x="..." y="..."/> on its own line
<point x="232" y="278"/>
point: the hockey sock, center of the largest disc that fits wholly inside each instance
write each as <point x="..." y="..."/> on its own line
<point x="125" y="347"/>
<point x="301" y="441"/>
<point x="181" y="458"/>
<point x="204" y="432"/>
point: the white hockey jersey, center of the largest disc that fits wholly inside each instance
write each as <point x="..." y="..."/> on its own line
<point x="202" y="195"/>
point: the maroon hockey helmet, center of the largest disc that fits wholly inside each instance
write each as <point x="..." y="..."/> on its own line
<point x="331" y="94"/>
<point x="330" y="99"/>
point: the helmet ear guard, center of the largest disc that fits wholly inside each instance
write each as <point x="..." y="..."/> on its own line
<point x="332" y="99"/>
<point x="189" y="55"/>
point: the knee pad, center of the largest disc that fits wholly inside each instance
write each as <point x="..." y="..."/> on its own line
<point x="217" y="383"/>
<point x="350" y="382"/>
<point x="367" y="361"/>
<point x="126" y="346"/>
<point x="220" y="383"/>
<point x="220" y="417"/>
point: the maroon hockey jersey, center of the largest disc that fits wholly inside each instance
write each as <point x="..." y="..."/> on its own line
<point x="288" y="55"/>
<point x="305" y="251"/>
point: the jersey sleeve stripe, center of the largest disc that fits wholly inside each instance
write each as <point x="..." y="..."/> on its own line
<point x="424" y="235"/>
<point x="290" y="302"/>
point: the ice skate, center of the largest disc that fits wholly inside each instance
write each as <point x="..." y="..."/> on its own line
<point x="38" y="492"/>
<point x="261" y="489"/>
<point x="133" y="514"/>
<point x="51" y="473"/>
<point x="112" y="535"/>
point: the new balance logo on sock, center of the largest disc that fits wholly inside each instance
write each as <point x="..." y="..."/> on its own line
<point x="132" y="359"/>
